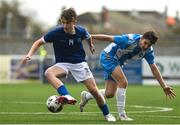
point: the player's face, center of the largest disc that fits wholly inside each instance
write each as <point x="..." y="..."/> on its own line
<point x="68" y="26"/>
<point x="144" y="44"/>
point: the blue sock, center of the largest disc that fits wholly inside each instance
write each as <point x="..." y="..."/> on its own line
<point x="62" y="90"/>
<point x="104" y="109"/>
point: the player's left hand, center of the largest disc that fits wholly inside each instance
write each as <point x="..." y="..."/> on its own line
<point x="169" y="92"/>
<point x="92" y="49"/>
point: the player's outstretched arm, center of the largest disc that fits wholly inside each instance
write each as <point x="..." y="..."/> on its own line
<point x="102" y="37"/>
<point x="33" y="49"/>
<point x="91" y="45"/>
<point x="167" y="90"/>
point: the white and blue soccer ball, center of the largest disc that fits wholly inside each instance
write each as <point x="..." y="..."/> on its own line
<point x="53" y="104"/>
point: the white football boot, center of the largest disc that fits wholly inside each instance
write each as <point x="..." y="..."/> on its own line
<point x="124" y="117"/>
<point x="84" y="101"/>
<point x="67" y="99"/>
<point x="110" y="118"/>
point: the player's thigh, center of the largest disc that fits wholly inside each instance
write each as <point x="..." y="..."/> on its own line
<point x="119" y="76"/>
<point x="56" y="70"/>
<point x="110" y="89"/>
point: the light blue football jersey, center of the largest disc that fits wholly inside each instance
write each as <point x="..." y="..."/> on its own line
<point x="126" y="48"/>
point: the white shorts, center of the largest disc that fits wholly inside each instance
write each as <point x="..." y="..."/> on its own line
<point x="80" y="71"/>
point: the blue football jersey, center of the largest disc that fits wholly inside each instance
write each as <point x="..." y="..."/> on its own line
<point x="68" y="47"/>
<point x="126" y="48"/>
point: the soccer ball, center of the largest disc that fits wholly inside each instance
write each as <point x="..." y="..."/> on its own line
<point x="53" y="104"/>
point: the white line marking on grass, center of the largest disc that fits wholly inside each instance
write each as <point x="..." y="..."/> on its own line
<point x="150" y="109"/>
<point x="146" y="109"/>
<point x="77" y="113"/>
<point x="21" y="102"/>
<point x="49" y="113"/>
<point x="160" y="116"/>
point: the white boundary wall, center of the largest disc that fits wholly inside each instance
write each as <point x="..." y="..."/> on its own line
<point x="6" y="68"/>
<point x="169" y="68"/>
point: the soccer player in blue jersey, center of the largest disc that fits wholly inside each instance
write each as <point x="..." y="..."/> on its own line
<point x="70" y="57"/>
<point x="125" y="48"/>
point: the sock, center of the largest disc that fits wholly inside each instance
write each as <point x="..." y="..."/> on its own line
<point x="62" y="90"/>
<point x="121" y="99"/>
<point x="104" y="109"/>
<point x="89" y="95"/>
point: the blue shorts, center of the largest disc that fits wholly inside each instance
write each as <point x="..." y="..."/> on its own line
<point x="109" y="64"/>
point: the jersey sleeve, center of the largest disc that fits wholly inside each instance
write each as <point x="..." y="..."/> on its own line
<point x="118" y="39"/>
<point x="149" y="56"/>
<point x="122" y="40"/>
<point x="49" y="37"/>
<point x="86" y="34"/>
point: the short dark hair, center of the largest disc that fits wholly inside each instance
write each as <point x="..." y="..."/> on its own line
<point x="69" y="14"/>
<point x="151" y="36"/>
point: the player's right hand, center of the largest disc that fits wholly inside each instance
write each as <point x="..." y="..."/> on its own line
<point x="169" y="92"/>
<point x="25" y="59"/>
<point x="92" y="49"/>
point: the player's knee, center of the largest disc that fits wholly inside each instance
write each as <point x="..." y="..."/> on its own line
<point x="109" y="95"/>
<point x="123" y="83"/>
<point x="94" y="92"/>
<point x="47" y="73"/>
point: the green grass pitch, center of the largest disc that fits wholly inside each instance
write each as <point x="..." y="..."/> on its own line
<point x="26" y="104"/>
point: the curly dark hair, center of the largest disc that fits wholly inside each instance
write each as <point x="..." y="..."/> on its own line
<point x="69" y="15"/>
<point x="151" y="36"/>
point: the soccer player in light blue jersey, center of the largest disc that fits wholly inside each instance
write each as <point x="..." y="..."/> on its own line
<point x="123" y="49"/>
<point x="70" y="57"/>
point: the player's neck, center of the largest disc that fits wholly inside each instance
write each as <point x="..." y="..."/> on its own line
<point x="70" y="31"/>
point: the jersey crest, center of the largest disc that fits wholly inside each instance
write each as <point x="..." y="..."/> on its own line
<point x="71" y="42"/>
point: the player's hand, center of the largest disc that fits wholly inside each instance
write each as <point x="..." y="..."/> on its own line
<point x="169" y="92"/>
<point x="92" y="49"/>
<point x="25" y="59"/>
